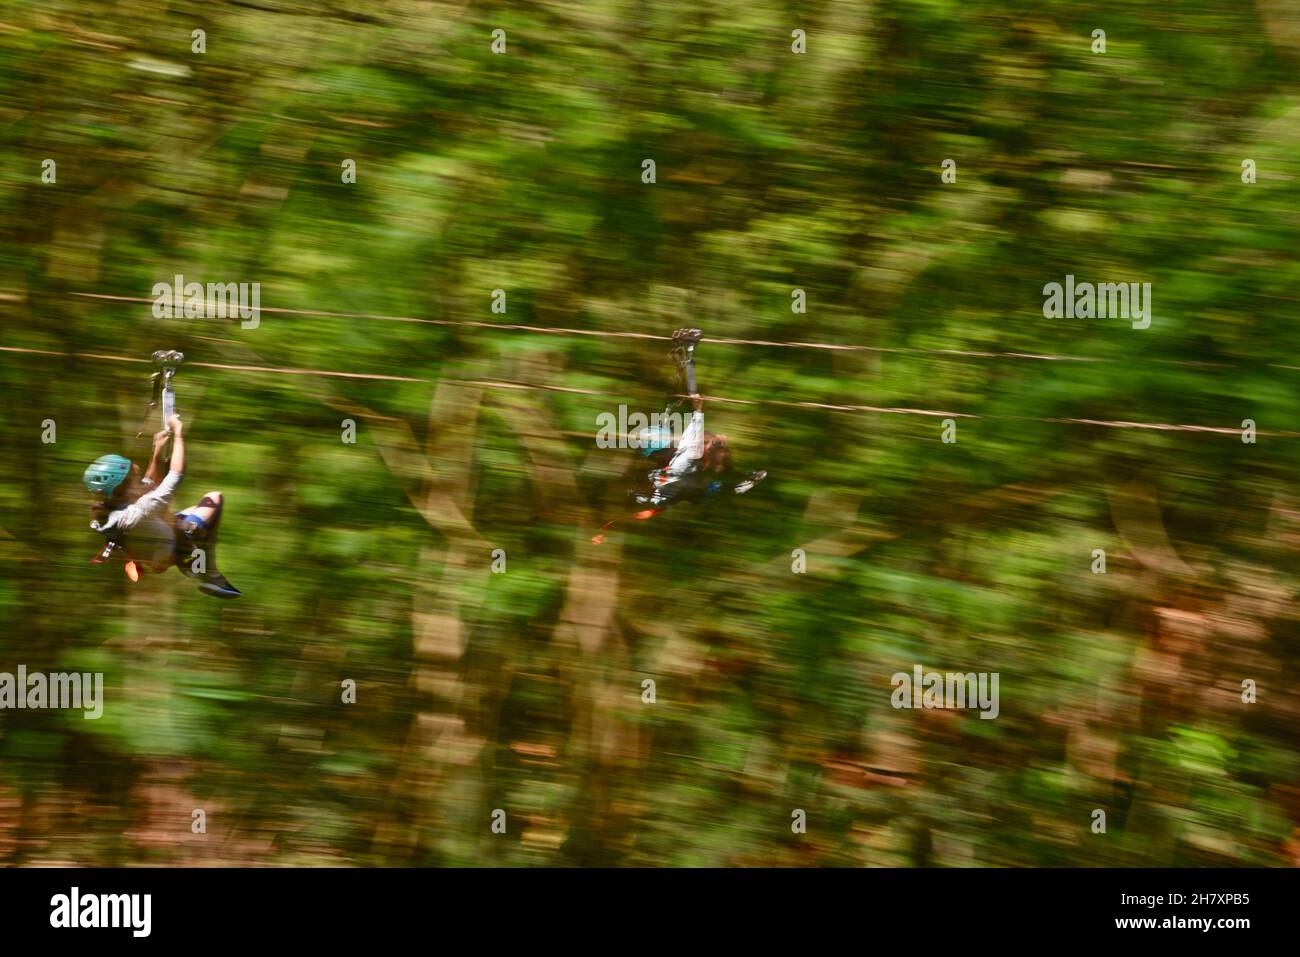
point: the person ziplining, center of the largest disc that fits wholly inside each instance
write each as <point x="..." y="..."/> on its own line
<point x="132" y="511"/>
<point x="692" y="466"/>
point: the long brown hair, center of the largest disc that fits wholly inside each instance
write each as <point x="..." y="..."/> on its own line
<point x="717" y="454"/>
<point x="99" y="511"/>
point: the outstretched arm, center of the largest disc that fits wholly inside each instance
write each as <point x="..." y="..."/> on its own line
<point x="691" y="445"/>
<point x="160" y="495"/>
<point x="178" y="444"/>
<point x="154" y="472"/>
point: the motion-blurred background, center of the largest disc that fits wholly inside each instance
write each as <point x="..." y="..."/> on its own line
<point x="775" y="171"/>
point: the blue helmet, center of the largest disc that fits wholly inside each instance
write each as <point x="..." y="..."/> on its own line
<point x="106" y="473"/>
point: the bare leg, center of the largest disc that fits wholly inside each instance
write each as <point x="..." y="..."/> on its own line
<point x="208" y="510"/>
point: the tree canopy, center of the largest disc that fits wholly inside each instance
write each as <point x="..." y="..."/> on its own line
<point x="946" y="483"/>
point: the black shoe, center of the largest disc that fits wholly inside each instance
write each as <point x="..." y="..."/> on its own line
<point x="750" y="481"/>
<point x="215" y="584"/>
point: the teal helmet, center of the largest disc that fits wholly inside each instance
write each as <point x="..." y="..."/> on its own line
<point x="106" y="473"/>
<point x="654" y="440"/>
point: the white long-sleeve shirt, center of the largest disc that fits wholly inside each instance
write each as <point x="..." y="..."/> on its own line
<point x="685" y="460"/>
<point x="689" y="448"/>
<point x="148" y="520"/>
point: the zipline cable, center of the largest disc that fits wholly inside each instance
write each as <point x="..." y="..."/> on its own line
<point x="716" y="340"/>
<point x="826" y="406"/>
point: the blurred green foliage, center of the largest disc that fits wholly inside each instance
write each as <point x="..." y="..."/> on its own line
<point x="523" y="691"/>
